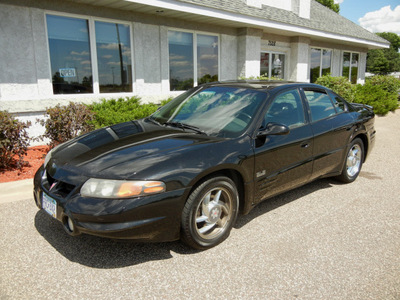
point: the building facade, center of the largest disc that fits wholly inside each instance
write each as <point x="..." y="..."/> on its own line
<point x="56" y="51"/>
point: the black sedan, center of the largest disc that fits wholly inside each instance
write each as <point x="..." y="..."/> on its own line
<point x="190" y="168"/>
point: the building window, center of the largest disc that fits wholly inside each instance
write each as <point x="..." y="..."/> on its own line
<point x="193" y="59"/>
<point x="71" y="56"/>
<point x="321" y="60"/>
<point x="113" y="57"/>
<point x="272" y="65"/>
<point x="207" y="58"/>
<point x="70" y="59"/>
<point x="350" y="66"/>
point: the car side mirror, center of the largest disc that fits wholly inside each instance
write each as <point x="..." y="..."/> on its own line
<point x="274" y="129"/>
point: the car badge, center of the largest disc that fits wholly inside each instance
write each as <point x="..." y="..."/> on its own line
<point x="53" y="185"/>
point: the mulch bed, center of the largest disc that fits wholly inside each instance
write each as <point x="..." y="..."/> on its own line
<point x="34" y="157"/>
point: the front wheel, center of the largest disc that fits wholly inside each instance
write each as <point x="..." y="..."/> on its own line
<point x="209" y="213"/>
<point x="353" y="161"/>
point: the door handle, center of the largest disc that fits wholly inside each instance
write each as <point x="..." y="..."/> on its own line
<point x="305" y="145"/>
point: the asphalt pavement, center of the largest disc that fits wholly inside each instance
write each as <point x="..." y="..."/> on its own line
<point x="325" y="240"/>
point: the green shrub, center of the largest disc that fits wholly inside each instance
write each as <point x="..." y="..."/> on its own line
<point x="388" y="83"/>
<point x="66" y="122"/>
<point x="110" y="112"/>
<point x="14" y="141"/>
<point x="340" y="85"/>
<point x="375" y="95"/>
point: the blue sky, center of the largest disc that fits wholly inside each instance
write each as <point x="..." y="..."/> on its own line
<point x="374" y="15"/>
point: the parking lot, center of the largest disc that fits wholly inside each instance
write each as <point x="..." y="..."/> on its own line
<point x="325" y="240"/>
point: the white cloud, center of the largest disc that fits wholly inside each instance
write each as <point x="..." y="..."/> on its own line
<point x="383" y="20"/>
<point x="179" y="63"/>
<point x="114" y="63"/>
<point x="208" y="56"/>
<point x="79" y="53"/>
<point x="339" y="1"/>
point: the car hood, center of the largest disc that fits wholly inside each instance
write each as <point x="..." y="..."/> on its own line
<point x="114" y="147"/>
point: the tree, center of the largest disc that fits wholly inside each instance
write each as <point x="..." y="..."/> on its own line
<point x="330" y="4"/>
<point x="385" y="61"/>
<point x="393" y="38"/>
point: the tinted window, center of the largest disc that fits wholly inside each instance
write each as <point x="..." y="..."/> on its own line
<point x="182" y="59"/>
<point x="207" y="58"/>
<point x="286" y="109"/>
<point x="71" y="67"/>
<point x="338" y="102"/>
<point x="114" y="57"/>
<point x="320" y="105"/>
<point x="181" y="67"/>
<point x="320" y="64"/>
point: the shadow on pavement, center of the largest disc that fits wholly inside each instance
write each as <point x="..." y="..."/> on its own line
<point x="103" y="253"/>
<point x="283" y="199"/>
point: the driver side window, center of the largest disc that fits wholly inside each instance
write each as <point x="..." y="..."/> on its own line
<point x="286" y="109"/>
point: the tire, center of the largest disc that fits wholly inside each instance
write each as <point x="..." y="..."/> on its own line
<point x="353" y="162"/>
<point x="209" y="213"/>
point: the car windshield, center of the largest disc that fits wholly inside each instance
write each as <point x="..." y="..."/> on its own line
<point x="216" y="111"/>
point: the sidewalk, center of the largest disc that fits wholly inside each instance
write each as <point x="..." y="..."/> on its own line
<point x="16" y="190"/>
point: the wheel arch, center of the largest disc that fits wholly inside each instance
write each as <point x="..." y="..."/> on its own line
<point x="363" y="137"/>
<point x="232" y="174"/>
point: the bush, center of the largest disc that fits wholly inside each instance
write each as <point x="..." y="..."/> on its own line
<point x="340" y="85"/>
<point x="375" y="95"/>
<point x="110" y="112"/>
<point x="66" y="122"/>
<point x="388" y="83"/>
<point x="14" y="141"/>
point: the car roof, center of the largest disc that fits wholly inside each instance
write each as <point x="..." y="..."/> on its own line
<point x="266" y="85"/>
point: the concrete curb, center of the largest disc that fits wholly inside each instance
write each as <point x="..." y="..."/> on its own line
<point x="16" y="190"/>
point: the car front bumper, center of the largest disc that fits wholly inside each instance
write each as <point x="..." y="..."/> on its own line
<point x="153" y="218"/>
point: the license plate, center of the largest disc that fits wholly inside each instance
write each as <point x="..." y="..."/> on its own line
<point x="49" y="205"/>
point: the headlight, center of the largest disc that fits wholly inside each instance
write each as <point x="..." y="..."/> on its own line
<point x="104" y="188"/>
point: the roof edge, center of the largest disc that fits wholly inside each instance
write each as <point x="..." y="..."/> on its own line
<point x="258" y="22"/>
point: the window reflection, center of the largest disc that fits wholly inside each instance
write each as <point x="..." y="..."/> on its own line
<point x="70" y="58"/>
<point x="350" y="66"/>
<point x="113" y="57"/>
<point x="326" y="62"/>
<point x="187" y="69"/>
<point x="354" y="67"/>
<point x="315" y="64"/>
<point x="346" y="65"/>
<point x="207" y="58"/>
<point x="180" y="60"/>
<point x="264" y="65"/>
<point x="272" y="65"/>
<point x="278" y="63"/>
<point x="321" y="60"/>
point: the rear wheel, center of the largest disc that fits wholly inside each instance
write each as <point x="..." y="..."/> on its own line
<point x="209" y="213"/>
<point x="353" y="161"/>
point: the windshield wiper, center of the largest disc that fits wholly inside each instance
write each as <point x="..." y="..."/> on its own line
<point x="153" y="121"/>
<point x="184" y="126"/>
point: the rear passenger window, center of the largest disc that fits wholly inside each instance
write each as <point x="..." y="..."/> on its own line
<point x="320" y="104"/>
<point x="338" y="102"/>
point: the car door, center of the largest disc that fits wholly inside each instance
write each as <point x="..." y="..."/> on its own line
<point x="283" y="162"/>
<point x="331" y="125"/>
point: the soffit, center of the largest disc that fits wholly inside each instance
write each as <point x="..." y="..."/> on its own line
<point x="233" y="19"/>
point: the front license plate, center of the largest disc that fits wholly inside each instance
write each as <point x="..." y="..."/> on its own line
<point x="49" y="205"/>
